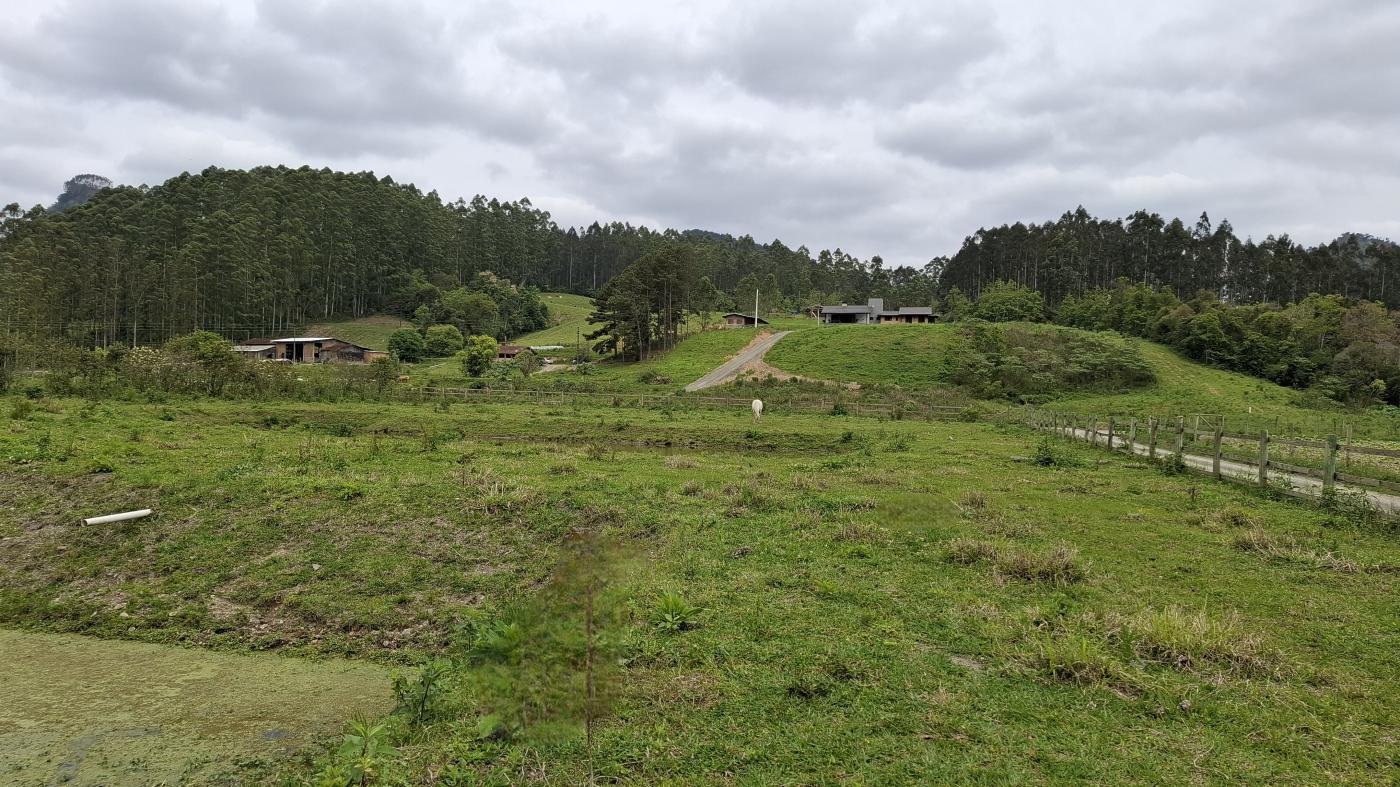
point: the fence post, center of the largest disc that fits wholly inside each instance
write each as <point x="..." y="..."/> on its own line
<point x="1110" y="433"/>
<point x="1264" y="457"/>
<point x="1215" y="460"/>
<point x="1094" y="431"/>
<point x="1329" y="468"/>
<point x="1152" y="438"/>
<point x="1132" y="436"/>
<point x="1348" y="454"/>
<point x="1180" y="434"/>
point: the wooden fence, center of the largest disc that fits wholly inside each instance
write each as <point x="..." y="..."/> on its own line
<point x="642" y="400"/>
<point x="1165" y="437"/>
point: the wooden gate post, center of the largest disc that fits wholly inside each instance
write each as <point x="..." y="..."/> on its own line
<point x="1348" y="454"/>
<point x="1093" y="431"/>
<point x="1110" y="433"/>
<point x="1152" y="439"/>
<point x="1329" y="467"/>
<point x="1180" y="434"/>
<point x="1264" y="457"/>
<point x="1215" y="460"/>
<point x="1132" y="435"/>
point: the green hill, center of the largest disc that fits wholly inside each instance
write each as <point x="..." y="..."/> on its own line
<point x="991" y="360"/>
<point x="568" y="316"/>
<point x="915" y="357"/>
<point x="372" y="332"/>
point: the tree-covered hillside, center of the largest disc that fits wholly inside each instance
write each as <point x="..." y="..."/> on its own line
<point x="1080" y="252"/>
<point x="259" y="251"/>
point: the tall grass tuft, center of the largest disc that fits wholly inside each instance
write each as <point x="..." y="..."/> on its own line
<point x="1193" y="641"/>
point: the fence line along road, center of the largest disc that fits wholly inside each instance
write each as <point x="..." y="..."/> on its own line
<point x="1300" y="481"/>
<point x="605" y="399"/>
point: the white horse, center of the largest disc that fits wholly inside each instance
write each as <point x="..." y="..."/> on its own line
<point x="758" y="409"/>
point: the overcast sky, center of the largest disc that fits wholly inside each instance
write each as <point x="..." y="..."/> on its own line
<point x="891" y="128"/>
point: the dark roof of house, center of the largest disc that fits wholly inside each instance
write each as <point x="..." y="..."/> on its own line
<point x="252" y="348"/>
<point x="341" y="344"/>
<point x="745" y="316"/>
<point x="510" y="349"/>
<point x="862" y="309"/>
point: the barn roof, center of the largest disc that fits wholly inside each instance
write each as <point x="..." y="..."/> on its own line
<point x="299" y="339"/>
<point x="252" y="348"/>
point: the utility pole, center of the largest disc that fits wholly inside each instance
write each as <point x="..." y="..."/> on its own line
<point x="755" y="310"/>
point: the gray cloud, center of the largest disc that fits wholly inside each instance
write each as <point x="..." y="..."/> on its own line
<point x="895" y="127"/>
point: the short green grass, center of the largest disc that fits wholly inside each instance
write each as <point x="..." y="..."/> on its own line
<point x="915" y="357"/>
<point x="372" y="332"/>
<point x="569" y="320"/>
<point x="912" y="356"/>
<point x="788" y="604"/>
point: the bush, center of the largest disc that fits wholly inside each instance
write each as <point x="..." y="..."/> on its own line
<point x="479" y="354"/>
<point x="407" y="345"/>
<point x="21" y="409"/>
<point x="443" y="340"/>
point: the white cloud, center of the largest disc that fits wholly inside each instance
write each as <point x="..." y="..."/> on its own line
<point x="895" y="127"/>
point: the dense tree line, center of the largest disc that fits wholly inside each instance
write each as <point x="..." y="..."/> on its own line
<point x="1338" y="347"/>
<point x="1079" y="253"/>
<point x="261" y="251"/>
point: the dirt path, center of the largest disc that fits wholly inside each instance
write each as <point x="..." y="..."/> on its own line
<point x="1303" y="484"/>
<point x="731" y="368"/>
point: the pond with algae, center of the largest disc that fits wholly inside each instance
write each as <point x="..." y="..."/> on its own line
<point x="82" y="711"/>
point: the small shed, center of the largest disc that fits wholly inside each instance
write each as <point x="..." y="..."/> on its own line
<point x="737" y="320"/>
<point x="508" y="351"/>
<point x="260" y="352"/>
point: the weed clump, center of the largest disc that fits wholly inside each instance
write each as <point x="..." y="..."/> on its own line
<point x="1047" y="454"/>
<point x="1235" y="517"/>
<point x="1282" y="548"/>
<point x="974" y="500"/>
<point x="681" y="463"/>
<point x="1172" y="464"/>
<point x="1193" y="641"/>
<point x="1061" y="565"/>
<point x="1079" y="659"/>
<point x="968" y="551"/>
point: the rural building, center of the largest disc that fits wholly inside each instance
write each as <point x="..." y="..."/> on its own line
<point x="322" y="349"/>
<point x="508" y="351"/>
<point x="874" y="312"/>
<point x="258" y="352"/>
<point x="737" y="320"/>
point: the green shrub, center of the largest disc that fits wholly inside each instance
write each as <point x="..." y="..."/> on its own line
<point x="21" y="409"/>
<point x="442" y="340"/>
<point x="673" y="613"/>
<point x="407" y="345"/>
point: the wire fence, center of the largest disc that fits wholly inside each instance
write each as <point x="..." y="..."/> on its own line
<point x="1305" y="466"/>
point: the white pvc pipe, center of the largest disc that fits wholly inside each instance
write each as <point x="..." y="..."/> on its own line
<point x="102" y="520"/>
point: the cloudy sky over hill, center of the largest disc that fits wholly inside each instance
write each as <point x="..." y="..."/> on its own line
<point x="890" y="128"/>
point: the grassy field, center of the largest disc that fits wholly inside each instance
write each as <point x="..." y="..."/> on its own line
<point x="665" y="371"/>
<point x="809" y="600"/>
<point x="569" y="314"/>
<point x="917" y="357"/>
<point x="913" y="356"/>
<point x="372" y="332"/>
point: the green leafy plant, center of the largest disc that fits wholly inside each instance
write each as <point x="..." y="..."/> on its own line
<point x="673" y="614"/>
